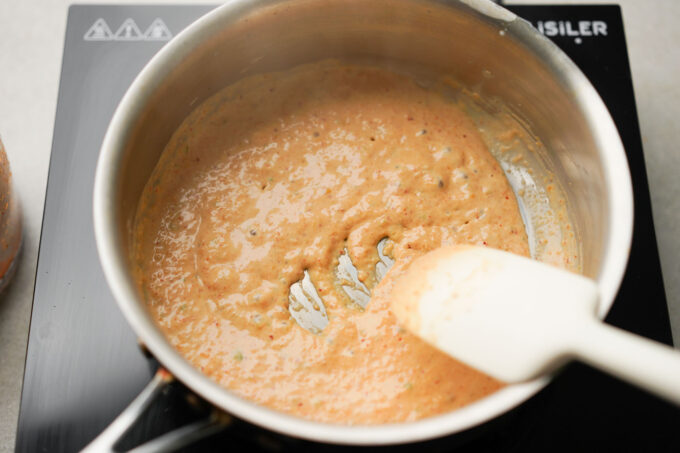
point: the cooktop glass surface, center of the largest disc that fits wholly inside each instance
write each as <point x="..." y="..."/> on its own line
<point x="84" y="365"/>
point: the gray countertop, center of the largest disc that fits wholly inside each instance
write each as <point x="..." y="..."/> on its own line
<point x="31" y="40"/>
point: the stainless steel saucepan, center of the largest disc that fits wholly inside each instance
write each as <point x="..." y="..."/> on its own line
<point x="466" y="39"/>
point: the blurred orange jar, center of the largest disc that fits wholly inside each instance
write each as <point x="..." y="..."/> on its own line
<point x="10" y="222"/>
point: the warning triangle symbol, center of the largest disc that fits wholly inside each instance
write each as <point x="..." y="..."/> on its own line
<point x="157" y="31"/>
<point x="99" y="31"/>
<point x="128" y="31"/>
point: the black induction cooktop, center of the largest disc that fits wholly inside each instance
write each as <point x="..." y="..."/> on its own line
<point x="83" y="364"/>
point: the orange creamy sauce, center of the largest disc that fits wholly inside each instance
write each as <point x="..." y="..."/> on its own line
<point x="279" y="173"/>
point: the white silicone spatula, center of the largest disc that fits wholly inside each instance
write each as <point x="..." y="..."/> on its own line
<point x="515" y="319"/>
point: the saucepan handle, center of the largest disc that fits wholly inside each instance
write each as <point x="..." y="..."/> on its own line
<point x="168" y="442"/>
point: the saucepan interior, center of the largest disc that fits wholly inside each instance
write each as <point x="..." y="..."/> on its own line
<point x="475" y="43"/>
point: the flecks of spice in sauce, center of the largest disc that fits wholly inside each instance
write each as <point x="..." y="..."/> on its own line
<point x="422" y="187"/>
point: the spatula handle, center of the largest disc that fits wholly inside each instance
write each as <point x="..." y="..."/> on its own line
<point x="640" y="361"/>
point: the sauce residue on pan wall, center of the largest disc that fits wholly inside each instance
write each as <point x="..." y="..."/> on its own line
<point x="278" y="174"/>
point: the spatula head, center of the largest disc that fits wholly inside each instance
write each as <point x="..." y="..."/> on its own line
<point x="504" y="314"/>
